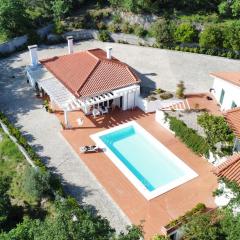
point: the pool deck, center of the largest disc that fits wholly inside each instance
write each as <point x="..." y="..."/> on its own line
<point x="162" y="209"/>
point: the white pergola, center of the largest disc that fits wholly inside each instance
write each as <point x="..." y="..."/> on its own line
<point x="64" y="99"/>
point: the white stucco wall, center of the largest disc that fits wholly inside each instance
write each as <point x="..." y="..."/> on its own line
<point x="232" y="93"/>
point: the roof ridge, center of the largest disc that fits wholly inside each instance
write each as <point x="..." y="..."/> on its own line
<point x="90" y="74"/>
<point x="230" y="161"/>
<point x="91" y="54"/>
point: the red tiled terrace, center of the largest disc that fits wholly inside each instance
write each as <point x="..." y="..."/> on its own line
<point x="162" y="209"/>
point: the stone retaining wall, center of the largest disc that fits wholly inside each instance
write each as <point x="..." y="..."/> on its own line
<point x="18" y="42"/>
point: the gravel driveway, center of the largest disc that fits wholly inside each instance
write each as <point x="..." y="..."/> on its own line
<point x="159" y="68"/>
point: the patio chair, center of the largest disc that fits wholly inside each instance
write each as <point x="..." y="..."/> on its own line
<point x="79" y="122"/>
<point x="104" y="110"/>
<point x="89" y="149"/>
<point x="95" y="112"/>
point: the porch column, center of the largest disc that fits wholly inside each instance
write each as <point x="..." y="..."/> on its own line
<point x="66" y="118"/>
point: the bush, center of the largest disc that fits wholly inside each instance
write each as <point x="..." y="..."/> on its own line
<point x="36" y="183"/>
<point x="180" y="89"/>
<point x="101" y="26"/>
<point x="139" y="31"/>
<point x="217" y="131"/>
<point x="189" y="136"/>
<point x="211" y="37"/>
<point x="5" y="204"/>
<point x="104" y="36"/>
<point x="186" y="33"/>
<point x="126" y="28"/>
<point x="165" y="95"/>
<point x="232" y="36"/>
<point x="163" y="31"/>
<point x="113" y="28"/>
<point x="58" y="27"/>
<point x="117" y="19"/>
<point x="22" y="141"/>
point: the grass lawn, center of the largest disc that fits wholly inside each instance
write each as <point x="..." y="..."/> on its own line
<point x="13" y="166"/>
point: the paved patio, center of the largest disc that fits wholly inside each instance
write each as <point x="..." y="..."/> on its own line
<point x="162" y="209"/>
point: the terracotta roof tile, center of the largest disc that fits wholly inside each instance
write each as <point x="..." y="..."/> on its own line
<point x="232" y="77"/>
<point x="90" y="72"/>
<point x="233" y="118"/>
<point x="230" y="169"/>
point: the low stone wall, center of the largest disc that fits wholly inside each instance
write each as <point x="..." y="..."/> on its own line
<point x="18" y="42"/>
<point x="82" y="34"/>
<point x="13" y="44"/>
<point x="86" y="34"/>
<point x="144" y="20"/>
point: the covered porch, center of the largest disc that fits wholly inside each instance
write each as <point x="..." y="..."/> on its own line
<point x="98" y="104"/>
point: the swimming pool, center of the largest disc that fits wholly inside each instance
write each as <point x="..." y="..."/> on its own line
<point x="148" y="164"/>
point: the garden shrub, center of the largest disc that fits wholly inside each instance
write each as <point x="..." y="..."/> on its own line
<point x="36" y="183"/>
<point x="217" y="131"/>
<point x="117" y="19"/>
<point x="101" y="25"/>
<point x="232" y="36"/>
<point x="189" y="136"/>
<point x="180" y="89"/>
<point x="185" y="33"/>
<point x="5" y="204"/>
<point x="165" y="95"/>
<point x="163" y="31"/>
<point x="22" y="141"/>
<point x="126" y="28"/>
<point x="113" y="28"/>
<point x="139" y="31"/>
<point x="104" y="36"/>
<point x="211" y="37"/>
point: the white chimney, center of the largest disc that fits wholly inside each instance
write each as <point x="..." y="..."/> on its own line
<point x="70" y="44"/>
<point x="33" y="55"/>
<point x="109" y="52"/>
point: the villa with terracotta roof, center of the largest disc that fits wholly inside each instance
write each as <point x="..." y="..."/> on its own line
<point x="92" y="80"/>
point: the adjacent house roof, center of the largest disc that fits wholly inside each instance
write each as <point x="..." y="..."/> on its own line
<point x="89" y="72"/>
<point x="232" y="77"/>
<point x="233" y="118"/>
<point x="230" y="169"/>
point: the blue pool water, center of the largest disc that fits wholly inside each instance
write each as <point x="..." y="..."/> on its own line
<point x="150" y="164"/>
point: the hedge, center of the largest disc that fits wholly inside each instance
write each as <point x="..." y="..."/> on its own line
<point x="54" y="180"/>
<point x="189" y="136"/>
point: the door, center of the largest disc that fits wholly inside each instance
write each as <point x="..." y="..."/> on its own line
<point x="233" y="104"/>
<point x="222" y="96"/>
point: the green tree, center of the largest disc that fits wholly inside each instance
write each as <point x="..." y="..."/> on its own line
<point x="232" y="36"/>
<point x="185" y="33"/>
<point x="13" y="18"/>
<point x="60" y="8"/>
<point x="217" y="131"/>
<point x="201" y="227"/>
<point x="224" y="8"/>
<point x="36" y="183"/>
<point x="70" y="221"/>
<point x="163" y="31"/>
<point x="211" y="37"/>
<point x="235" y="8"/>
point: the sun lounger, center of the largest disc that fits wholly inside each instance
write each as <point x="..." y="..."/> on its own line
<point x="88" y="149"/>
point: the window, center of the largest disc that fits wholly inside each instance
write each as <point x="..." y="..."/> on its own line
<point x="222" y="96"/>
<point x="233" y="104"/>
